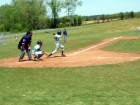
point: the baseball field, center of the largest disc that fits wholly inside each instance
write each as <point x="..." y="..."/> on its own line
<point x="101" y="68"/>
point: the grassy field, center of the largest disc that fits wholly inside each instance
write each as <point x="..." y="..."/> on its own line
<point x="96" y="85"/>
<point x="132" y="46"/>
<point x="79" y="37"/>
<point x="100" y="85"/>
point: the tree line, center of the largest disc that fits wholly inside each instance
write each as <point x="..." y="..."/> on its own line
<point x="107" y="18"/>
<point x="24" y="15"/>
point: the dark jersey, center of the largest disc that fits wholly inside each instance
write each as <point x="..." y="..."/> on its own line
<point x="59" y="32"/>
<point x="65" y="33"/>
<point x="24" y="42"/>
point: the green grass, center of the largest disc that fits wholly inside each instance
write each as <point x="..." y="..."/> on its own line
<point x="132" y="46"/>
<point x="100" y="85"/>
<point x="79" y="37"/>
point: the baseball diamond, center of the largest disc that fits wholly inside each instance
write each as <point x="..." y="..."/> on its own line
<point x="93" y="55"/>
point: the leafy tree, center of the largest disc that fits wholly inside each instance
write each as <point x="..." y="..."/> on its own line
<point x="24" y="15"/>
<point x="6" y="17"/>
<point x="102" y="17"/>
<point x="70" y="6"/>
<point x="132" y="15"/>
<point x="79" y="20"/>
<point x="56" y="7"/>
<point x="122" y="16"/>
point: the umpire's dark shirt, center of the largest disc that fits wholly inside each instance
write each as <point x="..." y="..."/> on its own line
<point x="26" y="41"/>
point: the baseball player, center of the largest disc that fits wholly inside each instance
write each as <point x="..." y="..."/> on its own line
<point x="65" y="35"/>
<point x="37" y="52"/>
<point x="58" y="45"/>
<point x="24" y="46"/>
<point x="59" y="32"/>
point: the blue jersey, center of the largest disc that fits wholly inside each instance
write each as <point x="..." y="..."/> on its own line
<point x="25" y="41"/>
<point x="65" y="33"/>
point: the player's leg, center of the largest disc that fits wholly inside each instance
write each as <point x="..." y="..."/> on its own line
<point x="39" y="54"/>
<point x="21" y="55"/>
<point x="65" y="38"/>
<point x="29" y="54"/>
<point x="34" y="54"/>
<point x="34" y="57"/>
<point x="55" y="50"/>
<point x="62" y="51"/>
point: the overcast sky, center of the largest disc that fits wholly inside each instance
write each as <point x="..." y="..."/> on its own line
<point x="95" y="7"/>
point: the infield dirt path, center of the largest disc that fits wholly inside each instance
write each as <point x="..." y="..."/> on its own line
<point x="93" y="55"/>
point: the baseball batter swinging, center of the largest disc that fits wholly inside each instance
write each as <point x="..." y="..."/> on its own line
<point x="58" y="45"/>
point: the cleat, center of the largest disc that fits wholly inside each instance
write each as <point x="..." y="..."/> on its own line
<point x="49" y="55"/>
<point x="63" y="55"/>
<point x="20" y="60"/>
<point x="30" y="59"/>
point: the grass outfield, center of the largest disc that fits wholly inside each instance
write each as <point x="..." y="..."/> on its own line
<point x="100" y="85"/>
<point x="79" y="37"/>
<point x="96" y="85"/>
<point x="132" y="46"/>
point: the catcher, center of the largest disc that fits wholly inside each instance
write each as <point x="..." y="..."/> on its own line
<point x="37" y="52"/>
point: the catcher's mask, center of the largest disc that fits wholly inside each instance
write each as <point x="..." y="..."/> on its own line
<point x="39" y="42"/>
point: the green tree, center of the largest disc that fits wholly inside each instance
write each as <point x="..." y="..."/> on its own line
<point x="79" y="20"/>
<point x="27" y="13"/>
<point x="121" y="16"/>
<point x="55" y="6"/>
<point x="102" y="17"/>
<point x="132" y="15"/>
<point x="70" y="6"/>
<point x="6" y="17"/>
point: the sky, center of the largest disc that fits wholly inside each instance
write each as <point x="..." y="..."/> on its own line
<point x="96" y="7"/>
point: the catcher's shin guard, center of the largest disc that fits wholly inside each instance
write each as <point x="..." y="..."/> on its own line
<point x="39" y="56"/>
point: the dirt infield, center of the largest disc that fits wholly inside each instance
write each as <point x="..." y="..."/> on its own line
<point x="93" y="55"/>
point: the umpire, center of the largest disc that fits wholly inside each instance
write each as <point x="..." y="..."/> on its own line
<point x="24" y="46"/>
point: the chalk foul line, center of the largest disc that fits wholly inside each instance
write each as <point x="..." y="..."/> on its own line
<point x="93" y="47"/>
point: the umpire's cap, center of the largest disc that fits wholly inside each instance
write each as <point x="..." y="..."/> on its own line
<point x="29" y="33"/>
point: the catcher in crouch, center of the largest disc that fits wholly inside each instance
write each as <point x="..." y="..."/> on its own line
<point x="37" y="52"/>
<point x="58" y="45"/>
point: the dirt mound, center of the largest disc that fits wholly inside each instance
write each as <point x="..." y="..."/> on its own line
<point x="92" y="55"/>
